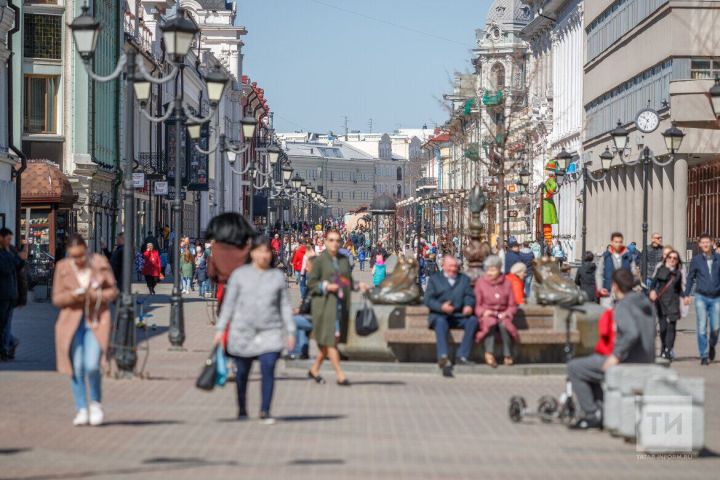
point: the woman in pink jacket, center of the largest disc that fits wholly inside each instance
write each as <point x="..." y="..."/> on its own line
<point x="495" y="308"/>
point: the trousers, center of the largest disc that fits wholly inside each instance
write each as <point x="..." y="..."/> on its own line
<point x="707" y="312"/>
<point x="85" y="354"/>
<point x="442" y="326"/>
<point x="267" y="370"/>
<point x="504" y="335"/>
<point x="586" y="375"/>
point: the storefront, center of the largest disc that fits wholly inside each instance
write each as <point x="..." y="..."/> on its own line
<point x="46" y="208"/>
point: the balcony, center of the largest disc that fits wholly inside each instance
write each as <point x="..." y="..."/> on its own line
<point x="152" y="164"/>
<point x="143" y="38"/>
<point x="426" y="184"/>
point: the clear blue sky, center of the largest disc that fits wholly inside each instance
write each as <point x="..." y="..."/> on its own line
<point x="319" y="60"/>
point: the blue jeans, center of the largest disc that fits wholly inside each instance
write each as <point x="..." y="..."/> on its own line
<point x="362" y="265"/>
<point x="186" y="283"/>
<point x="707" y="311"/>
<point x="204" y="288"/>
<point x="267" y="369"/>
<point x="85" y="354"/>
<point x="303" y="327"/>
<point x="303" y="285"/>
<point x="528" y="283"/>
<point x="8" y="340"/>
<point x="442" y="328"/>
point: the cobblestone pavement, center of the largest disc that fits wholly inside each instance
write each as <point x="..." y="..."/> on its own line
<point x="387" y="425"/>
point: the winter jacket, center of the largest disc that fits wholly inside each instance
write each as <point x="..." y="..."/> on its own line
<point x="668" y="285"/>
<point x="606" y="267"/>
<point x="152" y="263"/>
<point x="496" y="296"/>
<point x="636" y="332"/>
<point x="707" y="279"/>
<point x="585" y="279"/>
<point x="297" y="259"/>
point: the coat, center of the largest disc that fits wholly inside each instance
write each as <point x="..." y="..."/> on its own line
<point x="71" y="311"/>
<point x="297" y="259"/>
<point x="518" y="288"/>
<point x="495" y="295"/>
<point x="585" y="279"/>
<point x="439" y="291"/>
<point x="10" y="264"/>
<point x="325" y="305"/>
<point x="152" y="265"/>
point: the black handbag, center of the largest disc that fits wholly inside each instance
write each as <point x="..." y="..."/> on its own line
<point x="305" y="304"/>
<point x="206" y="380"/>
<point x="365" y="321"/>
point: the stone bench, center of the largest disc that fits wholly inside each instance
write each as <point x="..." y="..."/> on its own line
<point x="539" y="339"/>
<point x="632" y="392"/>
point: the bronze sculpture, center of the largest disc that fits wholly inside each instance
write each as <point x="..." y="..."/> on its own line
<point x="552" y="288"/>
<point x="400" y="287"/>
<point x="476" y="250"/>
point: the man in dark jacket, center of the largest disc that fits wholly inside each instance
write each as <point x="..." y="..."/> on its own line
<point x="634" y="343"/>
<point x="450" y="298"/>
<point x="615" y="258"/>
<point x="116" y="259"/>
<point x="653" y="252"/>
<point x="585" y="277"/>
<point x="705" y="273"/>
<point x="10" y="265"/>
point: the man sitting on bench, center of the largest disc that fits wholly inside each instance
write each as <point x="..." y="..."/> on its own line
<point x="450" y="298"/>
<point x="634" y="343"/>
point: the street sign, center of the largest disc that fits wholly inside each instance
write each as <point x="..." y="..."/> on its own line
<point x="171" y="193"/>
<point x="138" y="179"/>
<point x="161" y="188"/>
<point x="512" y="213"/>
<point x="511" y="188"/>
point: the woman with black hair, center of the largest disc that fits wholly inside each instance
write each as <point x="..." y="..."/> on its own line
<point x="231" y="236"/>
<point x="258" y="317"/>
<point x="585" y="277"/>
<point x="666" y="289"/>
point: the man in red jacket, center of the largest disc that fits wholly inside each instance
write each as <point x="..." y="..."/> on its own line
<point x="297" y="261"/>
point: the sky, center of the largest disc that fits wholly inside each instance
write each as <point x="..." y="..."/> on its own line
<point x="385" y="60"/>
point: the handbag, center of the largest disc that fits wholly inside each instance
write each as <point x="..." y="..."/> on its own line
<point x="208" y="374"/>
<point x="221" y="370"/>
<point x="365" y="320"/>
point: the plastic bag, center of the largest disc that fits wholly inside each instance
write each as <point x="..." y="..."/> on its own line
<point x="221" y="370"/>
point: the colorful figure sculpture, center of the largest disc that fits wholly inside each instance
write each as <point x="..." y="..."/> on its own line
<point x="549" y="212"/>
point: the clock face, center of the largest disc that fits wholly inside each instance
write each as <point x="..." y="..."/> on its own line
<point x="647" y="121"/>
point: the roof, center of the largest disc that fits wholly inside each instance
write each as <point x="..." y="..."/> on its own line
<point x="509" y="13"/>
<point x="44" y="182"/>
<point x="337" y="149"/>
<point x="215" y="4"/>
<point x="382" y="204"/>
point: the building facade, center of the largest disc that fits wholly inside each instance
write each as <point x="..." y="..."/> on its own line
<point x="7" y="162"/>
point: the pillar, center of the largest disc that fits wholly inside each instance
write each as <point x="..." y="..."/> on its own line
<point x="655" y="223"/>
<point x="680" y="178"/>
<point x="668" y="212"/>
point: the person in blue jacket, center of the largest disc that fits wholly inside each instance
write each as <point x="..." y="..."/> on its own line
<point x="704" y="273"/>
<point x="614" y="258"/>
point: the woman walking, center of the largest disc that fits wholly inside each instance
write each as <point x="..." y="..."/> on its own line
<point x="187" y="262"/>
<point x="585" y="277"/>
<point x="152" y="268"/>
<point x="666" y="289"/>
<point x="257" y="309"/>
<point x="330" y="284"/>
<point x="201" y="273"/>
<point x="495" y="308"/>
<point x="83" y="286"/>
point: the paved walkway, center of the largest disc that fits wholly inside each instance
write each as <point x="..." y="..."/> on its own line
<point x="387" y="425"/>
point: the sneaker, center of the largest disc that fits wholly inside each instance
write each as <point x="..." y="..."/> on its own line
<point x="588" y="422"/>
<point x="464" y="361"/>
<point x="266" y="419"/>
<point x="443" y="362"/>
<point x="81" y="417"/>
<point x="704" y="361"/>
<point x="712" y="354"/>
<point x="140" y="324"/>
<point x="96" y="414"/>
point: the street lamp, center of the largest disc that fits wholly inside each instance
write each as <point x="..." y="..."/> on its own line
<point x="286" y="173"/>
<point x="85" y="30"/>
<point x="273" y="154"/>
<point x="715" y="96"/>
<point x="524" y="175"/>
<point x="216" y="82"/>
<point x="296" y="181"/>
<point x="178" y="34"/>
<point x="673" y="139"/>
<point x="563" y="160"/>
<point x="620" y="137"/>
<point x="606" y="159"/>
<point x="249" y="123"/>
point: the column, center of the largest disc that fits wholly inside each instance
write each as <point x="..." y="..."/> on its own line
<point x="680" y="178"/>
<point x="612" y="199"/>
<point x="638" y="201"/>
<point x="631" y="185"/>
<point x="668" y="212"/>
<point x="656" y="216"/>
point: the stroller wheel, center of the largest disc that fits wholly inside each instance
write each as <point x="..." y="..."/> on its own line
<point x="516" y="409"/>
<point x="547" y="407"/>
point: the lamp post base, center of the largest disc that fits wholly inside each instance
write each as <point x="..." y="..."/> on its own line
<point x="124" y="348"/>
<point x="176" y="332"/>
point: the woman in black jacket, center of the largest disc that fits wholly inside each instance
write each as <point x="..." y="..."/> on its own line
<point x="665" y="290"/>
<point x="585" y="277"/>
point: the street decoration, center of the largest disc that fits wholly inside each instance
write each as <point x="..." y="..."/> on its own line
<point x="549" y="212"/>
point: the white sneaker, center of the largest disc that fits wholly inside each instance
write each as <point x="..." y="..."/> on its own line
<point x="81" y="417"/>
<point x="96" y="414"/>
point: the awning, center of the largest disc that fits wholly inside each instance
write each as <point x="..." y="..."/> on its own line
<point x="44" y="182"/>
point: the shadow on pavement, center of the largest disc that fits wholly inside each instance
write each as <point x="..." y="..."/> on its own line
<point x="316" y="461"/>
<point x="13" y="451"/>
<point x="141" y="423"/>
<point x="385" y="383"/>
<point x="309" y="418"/>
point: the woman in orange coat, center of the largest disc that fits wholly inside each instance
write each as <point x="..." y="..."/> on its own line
<point x="517" y="275"/>
<point x="83" y="287"/>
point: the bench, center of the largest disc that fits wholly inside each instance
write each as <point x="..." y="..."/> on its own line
<point x="410" y="339"/>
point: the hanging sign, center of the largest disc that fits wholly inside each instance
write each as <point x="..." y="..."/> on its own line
<point x="161" y="188"/>
<point x="138" y="180"/>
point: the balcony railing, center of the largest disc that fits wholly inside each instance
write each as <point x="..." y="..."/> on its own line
<point x="427" y="183"/>
<point x="143" y="38"/>
<point x="151" y="163"/>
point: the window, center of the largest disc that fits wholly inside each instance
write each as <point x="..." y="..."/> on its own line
<point x="399" y="174"/>
<point x="41" y="103"/>
<point x="43" y="36"/>
<point x="704" y="69"/>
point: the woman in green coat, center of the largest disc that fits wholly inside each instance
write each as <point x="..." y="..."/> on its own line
<point x="330" y="284"/>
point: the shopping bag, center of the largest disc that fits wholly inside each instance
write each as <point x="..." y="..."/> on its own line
<point x="365" y="321"/>
<point x="208" y="374"/>
<point x="221" y="370"/>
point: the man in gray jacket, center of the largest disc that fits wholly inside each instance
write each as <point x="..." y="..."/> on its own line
<point x="634" y="343"/>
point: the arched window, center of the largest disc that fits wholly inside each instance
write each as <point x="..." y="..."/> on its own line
<point x="497" y="76"/>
